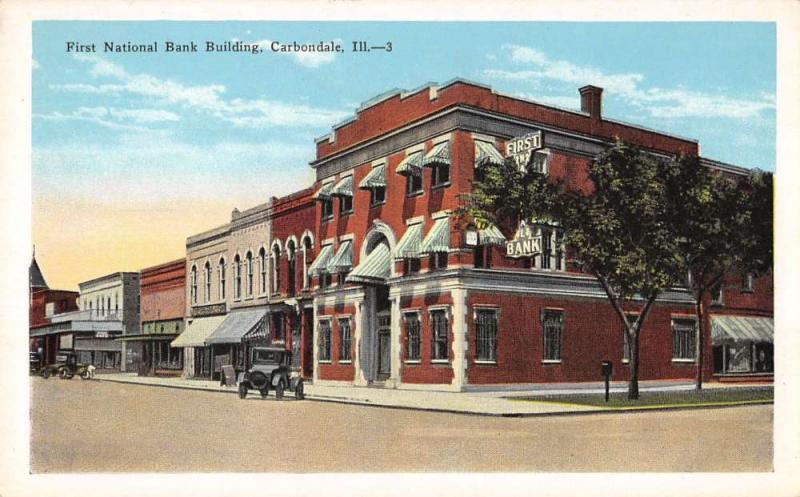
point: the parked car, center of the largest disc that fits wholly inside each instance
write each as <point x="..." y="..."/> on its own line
<point x="36" y="362"/>
<point x="65" y="367"/>
<point x="270" y="367"/>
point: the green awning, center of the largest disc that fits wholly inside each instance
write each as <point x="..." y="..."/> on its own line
<point x="491" y="235"/>
<point x="343" y="260"/>
<point x="321" y="262"/>
<point x="438" y="239"/>
<point x="344" y="188"/>
<point x="412" y="164"/>
<point x="409" y="244"/>
<point x="236" y="325"/>
<point x="197" y="330"/>
<point x="727" y="329"/>
<point x="375" y="269"/>
<point x="375" y="179"/>
<point x="146" y="337"/>
<point x="486" y="153"/>
<point x="324" y="193"/>
<point x="439" y="154"/>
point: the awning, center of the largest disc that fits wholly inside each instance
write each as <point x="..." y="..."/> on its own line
<point x="727" y="329"/>
<point x="491" y="235"/>
<point x="344" y="188"/>
<point x="439" y="154"/>
<point x="375" y="269"/>
<point x="235" y="326"/>
<point x="343" y="260"/>
<point x="375" y="179"/>
<point x="438" y="239"/>
<point x="197" y="330"/>
<point x="412" y="164"/>
<point x="321" y="262"/>
<point x="103" y="344"/>
<point x="146" y="337"/>
<point x="324" y="193"/>
<point x="486" y="153"/>
<point x="409" y="244"/>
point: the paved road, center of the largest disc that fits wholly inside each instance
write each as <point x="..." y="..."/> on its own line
<point x="101" y="427"/>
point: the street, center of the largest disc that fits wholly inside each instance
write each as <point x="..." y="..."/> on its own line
<point x="93" y="426"/>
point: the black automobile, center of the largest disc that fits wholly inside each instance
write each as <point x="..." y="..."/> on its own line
<point x="270" y="367"/>
<point x="65" y="367"/>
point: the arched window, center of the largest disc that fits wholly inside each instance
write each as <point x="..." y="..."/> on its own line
<point x="193" y="282"/>
<point x="237" y="278"/>
<point x="249" y="273"/>
<point x="306" y="260"/>
<point x="276" y="268"/>
<point x="262" y="266"/>
<point x="291" y="273"/>
<point x="208" y="282"/>
<point x="222" y="278"/>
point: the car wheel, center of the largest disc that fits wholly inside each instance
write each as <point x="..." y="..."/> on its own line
<point x="279" y="390"/>
<point x="242" y="390"/>
<point x="45" y="373"/>
<point x="62" y="373"/>
<point x="264" y="392"/>
<point x="85" y="375"/>
<point x="299" y="394"/>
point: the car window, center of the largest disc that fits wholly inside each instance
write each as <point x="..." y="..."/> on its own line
<point x="264" y="356"/>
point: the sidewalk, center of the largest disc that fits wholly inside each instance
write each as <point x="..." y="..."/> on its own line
<point x="488" y="403"/>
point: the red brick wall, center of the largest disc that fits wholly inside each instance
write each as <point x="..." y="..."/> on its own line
<point x="738" y="301"/>
<point x="163" y="293"/>
<point x="291" y="216"/>
<point x="426" y="371"/>
<point x="337" y="370"/>
<point x="62" y="300"/>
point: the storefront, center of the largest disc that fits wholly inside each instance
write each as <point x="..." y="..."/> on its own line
<point x="743" y="345"/>
<point x="197" y="356"/>
<point x="227" y="343"/>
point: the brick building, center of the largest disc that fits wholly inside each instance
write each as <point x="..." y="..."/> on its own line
<point x="45" y="303"/>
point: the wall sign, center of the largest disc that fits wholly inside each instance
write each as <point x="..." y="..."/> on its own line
<point x="471" y="238"/>
<point x="525" y="243"/>
<point x="65" y="341"/>
<point x="521" y="148"/>
<point x="101" y="334"/>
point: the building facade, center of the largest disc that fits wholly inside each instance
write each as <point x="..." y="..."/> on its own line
<point x="44" y="304"/>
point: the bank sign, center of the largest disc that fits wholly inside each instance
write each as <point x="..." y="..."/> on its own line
<point x="525" y="243"/>
<point x="521" y="148"/>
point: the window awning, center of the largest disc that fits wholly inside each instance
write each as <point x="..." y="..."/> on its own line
<point x="375" y="269"/>
<point x="409" y="244"/>
<point x="236" y="325"/>
<point x="324" y="193"/>
<point x="439" y="154"/>
<point x="344" y="188"/>
<point x="343" y="260"/>
<point x="197" y="331"/>
<point x="486" y="152"/>
<point x="727" y="329"/>
<point x="491" y="235"/>
<point x="412" y="164"/>
<point x="438" y="238"/>
<point x="321" y="262"/>
<point x="375" y="179"/>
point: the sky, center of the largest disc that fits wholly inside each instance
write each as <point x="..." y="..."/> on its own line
<point x="133" y="152"/>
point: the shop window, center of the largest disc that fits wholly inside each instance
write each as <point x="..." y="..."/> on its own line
<point x="747" y="282"/>
<point x="683" y="339"/>
<point x="345" y="340"/>
<point x="553" y="333"/>
<point x="414" y="183"/>
<point x="441" y="174"/>
<point x="411" y="265"/>
<point x="486" y="335"/>
<point x="325" y="340"/>
<point x="327" y="208"/>
<point x="439" y="332"/>
<point x="439" y="260"/>
<point x="413" y="352"/>
<point x="377" y="195"/>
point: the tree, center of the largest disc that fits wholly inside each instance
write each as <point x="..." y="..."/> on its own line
<point x="619" y="231"/>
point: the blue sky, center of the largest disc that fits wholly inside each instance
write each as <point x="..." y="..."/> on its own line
<point x="141" y="129"/>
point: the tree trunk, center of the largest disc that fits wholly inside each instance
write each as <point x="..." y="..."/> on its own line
<point x="700" y="313"/>
<point x="633" y="384"/>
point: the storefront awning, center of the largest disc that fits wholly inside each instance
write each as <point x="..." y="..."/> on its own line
<point x="486" y="153"/>
<point x="439" y="154"/>
<point x="324" y="193"/>
<point x="197" y="330"/>
<point x="491" y="235"/>
<point x="344" y="188"/>
<point x="320" y="264"/>
<point x="375" y="179"/>
<point x="343" y="260"/>
<point x="409" y="244"/>
<point x="236" y="325"/>
<point x="103" y="344"/>
<point x="375" y="269"/>
<point x="412" y="164"/>
<point x="146" y="337"/>
<point x="727" y="329"/>
<point x="438" y="239"/>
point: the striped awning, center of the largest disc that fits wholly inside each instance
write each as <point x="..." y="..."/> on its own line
<point x="438" y="238"/>
<point x="409" y="244"/>
<point x="236" y="325"/>
<point x="486" y="153"/>
<point x="320" y="264"/>
<point x="375" y="179"/>
<point x="491" y="235"/>
<point x="197" y="330"/>
<point x="343" y="260"/>
<point x="344" y="188"/>
<point x="375" y="269"/>
<point x="324" y="193"/>
<point x="412" y="164"/>
<point x="727" y="329"/>
<point x="439" y="154"/>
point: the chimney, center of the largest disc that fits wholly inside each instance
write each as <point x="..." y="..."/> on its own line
<point x="592" y="101"/>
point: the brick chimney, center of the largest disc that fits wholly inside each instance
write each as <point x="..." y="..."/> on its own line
<point x="592" y="101"/>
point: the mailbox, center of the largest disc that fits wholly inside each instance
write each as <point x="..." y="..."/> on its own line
<point x="607" y="368"/>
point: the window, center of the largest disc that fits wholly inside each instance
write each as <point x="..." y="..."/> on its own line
<point x="325" y="340"/>
<point x="306" y="257"/>
<point x="547" y="240"/>
<point x="327" y="208"/>
<point x="559" y="247"/>
<point x="276" y="269"/>
<point x="439" y="260"/>
<point x="539" y="161"/>
<point x="439" y="328"/>
<point x="277" y="326"/>
<point x="345" y="204"/>
<point x="747" y="282"/>
<point x="345" y="340"/>
<point x="717" y="295"/>
<point x="683" y="339"/>
<point x="222" y="279"/>
<point x="325" y="280"/>
<point x="441" y="174"/>
<point x="479" y="256"/>
<point x="291" y="273"/>
<point x="411" y="266"/>
<point x="414" y="183"/>
<point x="193" y="284"/>
<point x="249" y="273"/>
<point x="237" y="278"/>
<point x="262" y="266"/>
<point x="116" y="302"/>
<point x="486" y="335"/>
<point x="207" y="275"/>
<point x="377" y="195"/>
<point x="413" y="336"/>
<point x="553" y="326"/>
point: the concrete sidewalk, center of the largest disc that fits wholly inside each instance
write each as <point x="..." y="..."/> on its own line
<point x="488" y="403"/>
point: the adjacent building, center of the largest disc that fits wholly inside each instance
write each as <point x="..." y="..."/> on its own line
<point x="44" y="304"/>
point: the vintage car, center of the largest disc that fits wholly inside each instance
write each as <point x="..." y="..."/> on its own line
<point x="270" y="367"/>
<point x="66" y="366"/>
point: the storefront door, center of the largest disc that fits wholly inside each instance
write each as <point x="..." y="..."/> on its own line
<point x="384" y="347"/>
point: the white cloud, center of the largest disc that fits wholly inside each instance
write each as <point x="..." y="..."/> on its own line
<point x="307" y="59"/>
<point x="112" y="117"/>
<point x="34" y="64"/>
<point x="145" y="115"/>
